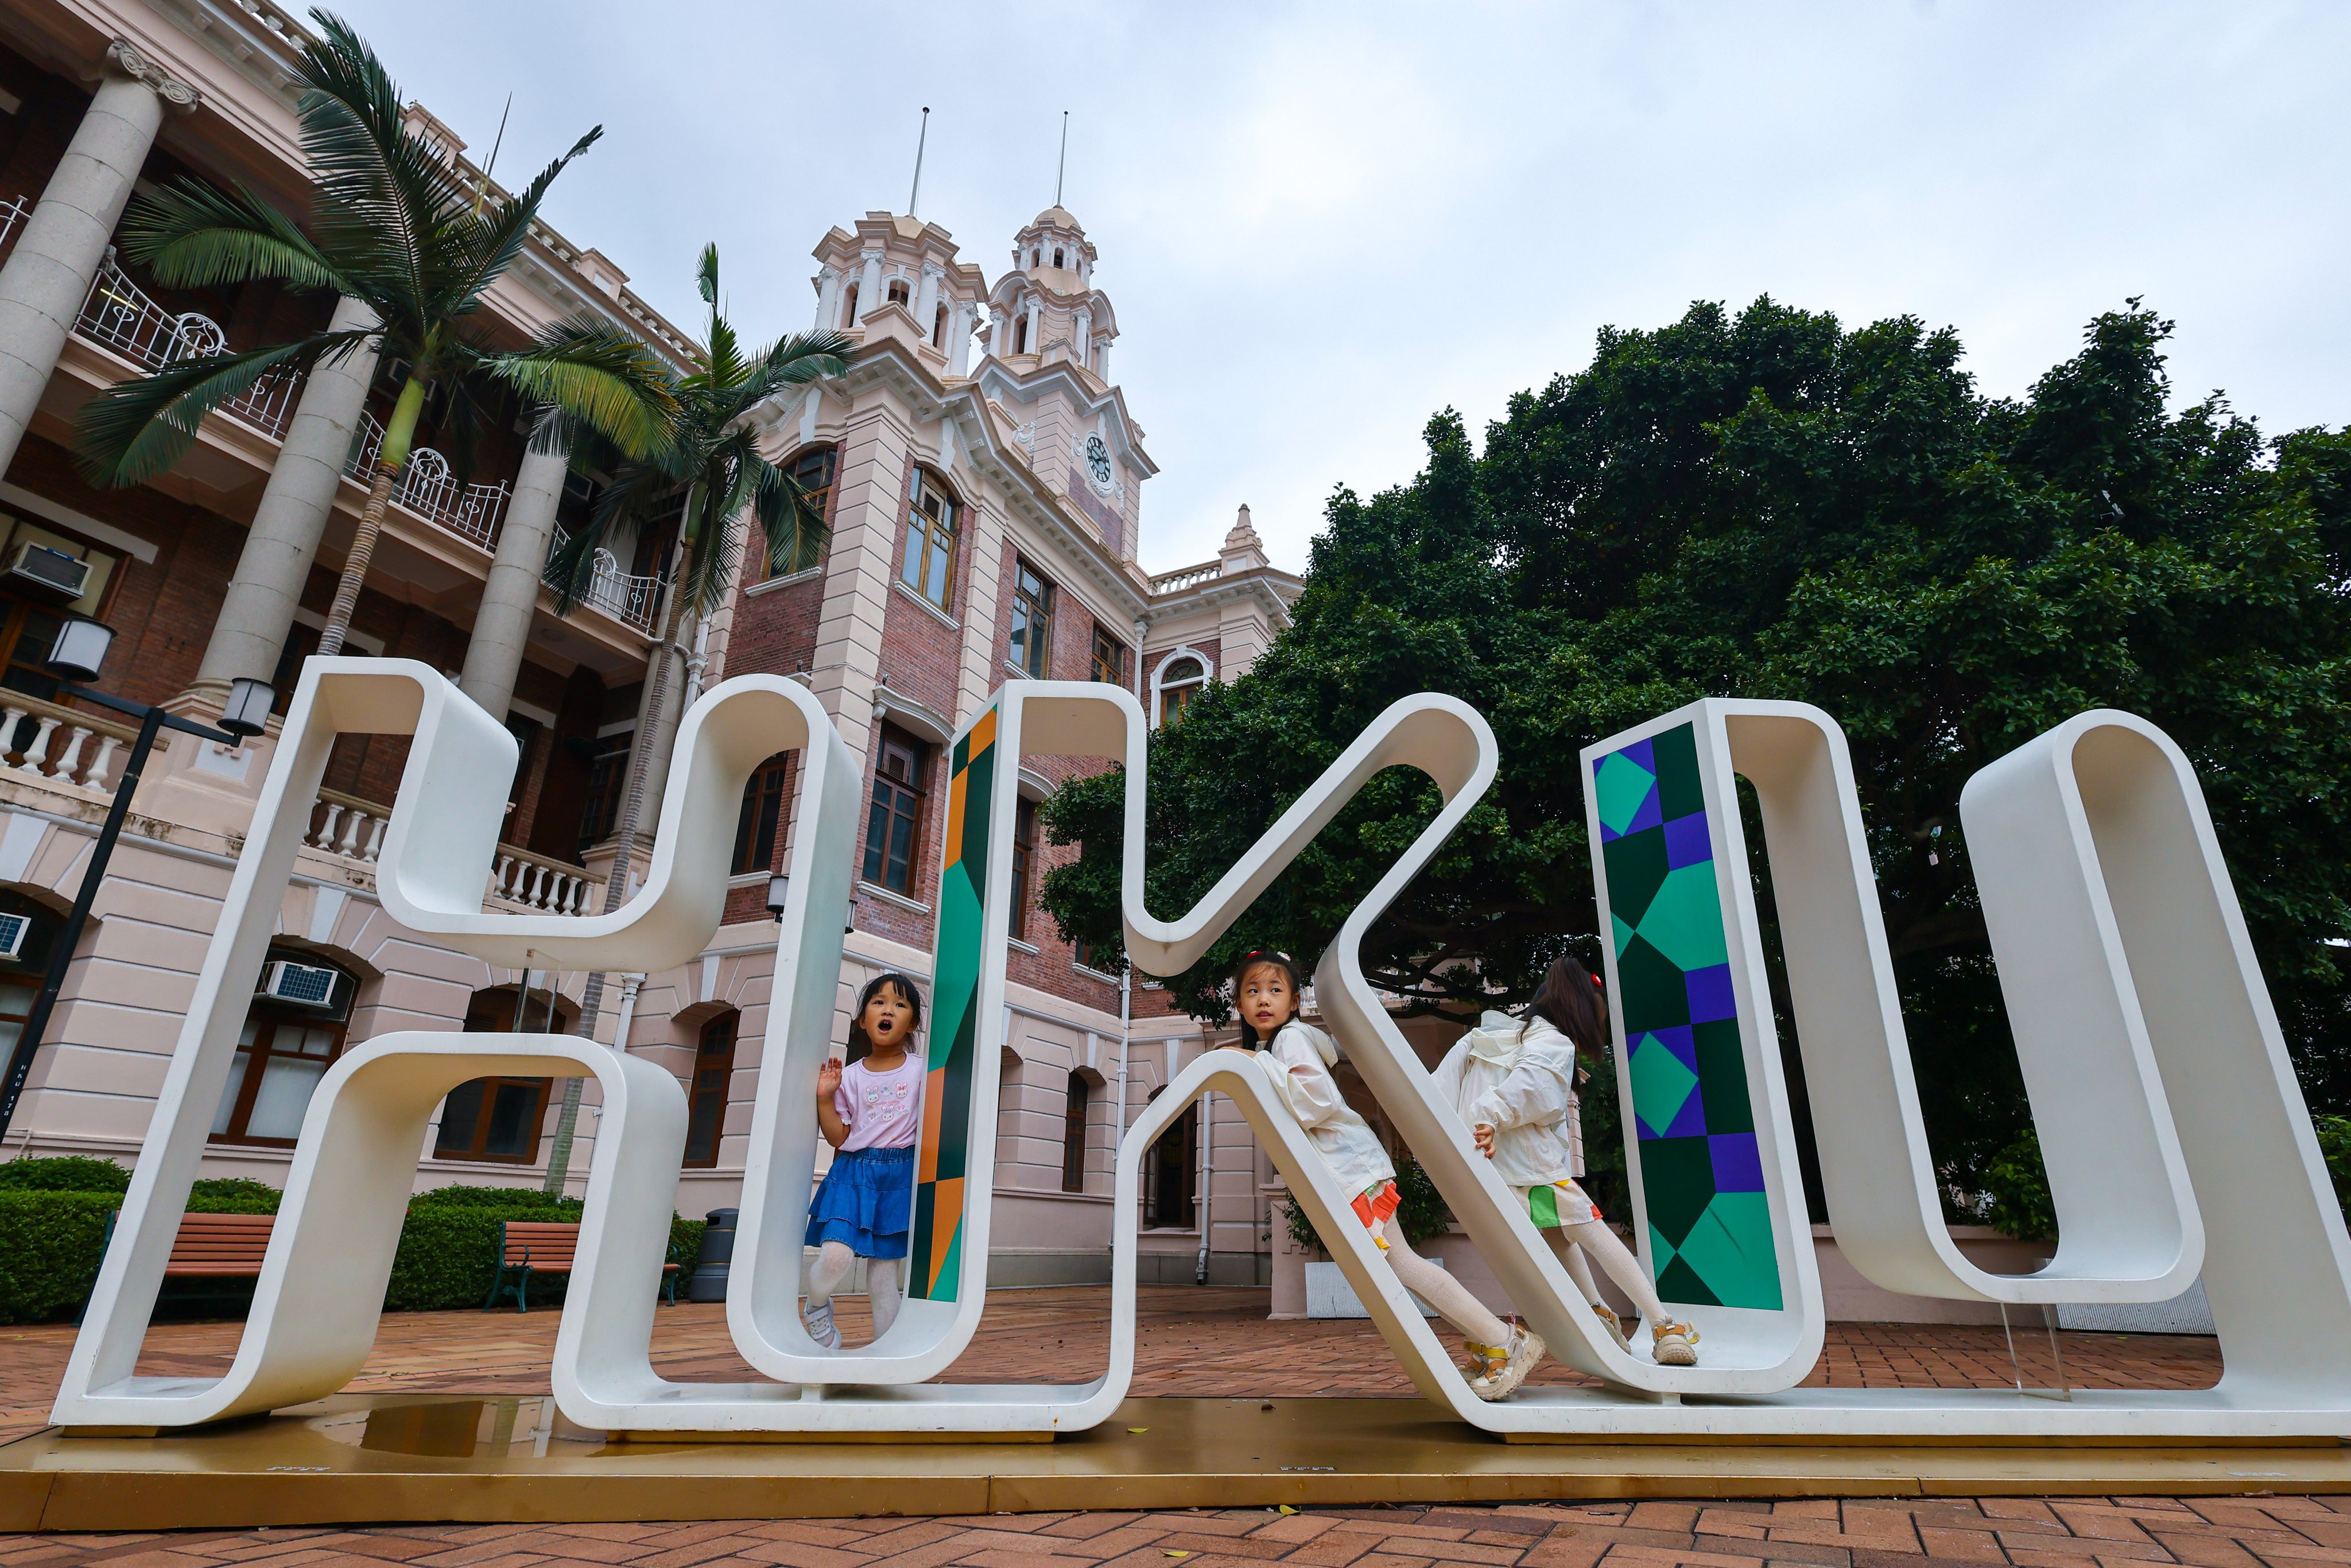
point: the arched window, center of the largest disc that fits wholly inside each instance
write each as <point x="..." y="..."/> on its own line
<point x="1168" y="1175"/>
<point x="939" y="329"/>
<point x="1179" y="680"/>
<point x="899" y="292"/>
<point x="849" y="306"/>
<point x="293" y="1032"/>
<point x="1033" y="620"/>
<point x="1057" y="255"/>
<point x="1073" y="1133"/>
<point x="499" y="1119"/>
<point x="1034" y="256"/>
<point x="1021" y="334"/>
<point x="929" y="566"/>
<point x="759" y="826"/>
<point x="714" y="1071"/>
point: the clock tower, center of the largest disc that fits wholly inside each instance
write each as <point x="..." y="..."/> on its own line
<point x="1049" y="364"/>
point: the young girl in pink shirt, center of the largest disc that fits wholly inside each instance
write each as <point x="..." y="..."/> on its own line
<point x="870" y="1112"/>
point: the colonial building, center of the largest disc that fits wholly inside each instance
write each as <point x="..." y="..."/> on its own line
<point x="983" y="476"/>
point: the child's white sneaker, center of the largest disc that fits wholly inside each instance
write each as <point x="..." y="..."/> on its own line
<point x="1676" y="1344"/>
<point x="1502" y="1380"/>
<point x="819" y="1319"/>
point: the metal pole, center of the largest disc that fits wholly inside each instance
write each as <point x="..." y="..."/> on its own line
<point x="921" y="141"/>
<point x="28" y="1040"/>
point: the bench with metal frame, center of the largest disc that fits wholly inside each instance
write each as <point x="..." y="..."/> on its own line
<point x="529" y="1247"/>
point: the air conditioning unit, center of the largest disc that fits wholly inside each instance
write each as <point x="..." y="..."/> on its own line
<point x="13" y="930"/>
<point x="305" y="984"/>
<point x="52" y="570"/>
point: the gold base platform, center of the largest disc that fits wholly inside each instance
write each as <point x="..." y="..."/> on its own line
<point x="388" y="1458"/>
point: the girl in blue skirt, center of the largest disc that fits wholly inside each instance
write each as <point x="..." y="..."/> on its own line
<point x="872" y="1113"/>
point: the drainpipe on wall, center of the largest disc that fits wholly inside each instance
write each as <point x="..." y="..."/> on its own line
<point x="1118" y="1127"/>
<point x="1207" y="1174"/>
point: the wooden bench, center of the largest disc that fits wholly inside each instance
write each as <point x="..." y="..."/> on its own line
<point x="528" y="1246"/>
<point x="214" y="1247"/>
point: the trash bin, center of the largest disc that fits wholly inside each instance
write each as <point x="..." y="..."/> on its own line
<point x="717" y="1251"/>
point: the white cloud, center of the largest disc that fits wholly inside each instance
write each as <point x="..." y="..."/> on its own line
<point x="1321" y="224"/>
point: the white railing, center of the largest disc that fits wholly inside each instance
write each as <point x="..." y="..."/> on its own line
<point x="1170" y="582"/>
<point x="119" y="315"/>
<point x="55" y="741"/>
<point x="350" y="829"/>
<point x="12" y="212"/>
<point x="633" y="601"/>
<point x="428" y="489"/>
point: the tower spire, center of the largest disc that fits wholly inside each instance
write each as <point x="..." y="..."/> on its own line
<point x="921" y="141"/>
<point x="1062" y="167"/>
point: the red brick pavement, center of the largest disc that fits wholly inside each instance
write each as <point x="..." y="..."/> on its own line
<point x="2016" y="1533"/>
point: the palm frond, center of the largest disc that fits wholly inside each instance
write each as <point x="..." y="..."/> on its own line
<point x="634" y="494"/>
<point x="797" y="360"/>
<point x="591" y="373"/>
<point x="793" y="530"/>
<point x="133" y="432"/>
<point x="377" y="187"/>
<point x="705" y="275"/>
<point x="489" y="244"/>
<point x="194" y="236"/>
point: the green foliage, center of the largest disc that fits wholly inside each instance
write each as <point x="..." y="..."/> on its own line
<point x="511" y="1202"/>
<point x="64" y="1172"/>
<point x="2016" y="1192"/>
<point x="1768" y="504"/>
<point x="2334" y="1144"/>
<point x="52" y="1241"/>
<point x="232" y="1194"/>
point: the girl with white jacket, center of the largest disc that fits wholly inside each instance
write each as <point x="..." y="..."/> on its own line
<point x="1298" y="1057"/>
<point x="1513" y="1082"/>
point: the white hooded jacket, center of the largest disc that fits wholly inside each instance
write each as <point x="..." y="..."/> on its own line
<point x="1299" y="1062"/>
<point x="1519" y="1080"/>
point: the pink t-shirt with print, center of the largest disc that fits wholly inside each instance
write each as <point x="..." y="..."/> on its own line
<point x="884" y="1109"/>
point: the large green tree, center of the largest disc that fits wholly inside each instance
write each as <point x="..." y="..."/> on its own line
<point x="1768" y="504"/>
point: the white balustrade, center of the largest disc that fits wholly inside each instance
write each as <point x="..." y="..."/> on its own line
<point x="351" y="830"/>
<point x="429" y="489"/>
<point x="53" y="741"/>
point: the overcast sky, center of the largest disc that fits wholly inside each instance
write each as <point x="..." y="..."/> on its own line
<point x="1321" y="222"/>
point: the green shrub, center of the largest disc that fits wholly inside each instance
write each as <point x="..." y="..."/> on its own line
<point x="514" y="1202"/>
<point x="2016" y="1186"/>
<point x="50" y="1245"/>
<point x="68" y="1172"/>
<point x="232" y="1194"/>
<point x="2334" y="1144"/>
<point x="1420" y="1210"/>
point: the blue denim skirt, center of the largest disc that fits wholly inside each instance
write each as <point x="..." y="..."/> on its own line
<point x="866" y="1202"/>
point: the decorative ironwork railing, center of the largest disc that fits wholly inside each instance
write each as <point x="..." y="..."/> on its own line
<point x="633" y="601"/>
<point x="120" y="316"/>
<point x="428" y="489"/>
<point x="350" y="829"/>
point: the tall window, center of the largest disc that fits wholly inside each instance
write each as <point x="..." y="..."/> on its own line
<point x="497" y="1119"/>
<point x="714" y="1069"/>
<point x="1168" y="1174"/>
<point x="929" y="567"/>
<point x="1033" y="620"/>
<point x="762" y="812"/>
<point x="849" y="306"/>
<point x="600" y="818"/>
<point x="895" y="821"/>
<point x="939" y="329"/>
<point x="1024" y="860"/>
<point x="1180" y="680"/>
<point x="1020" y="335"/>
<point x="899" y="293"/>
<point x="1074" y="1135"/>
<point x="1057" y="255"/>
<point x="1110" y="658"/>
<point x="813" y="472"/>
<point x="286" y="1048"/>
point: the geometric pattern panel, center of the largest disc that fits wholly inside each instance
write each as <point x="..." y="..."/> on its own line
<point x="1701" y="1174"/>
<point x="936" y="1271"/>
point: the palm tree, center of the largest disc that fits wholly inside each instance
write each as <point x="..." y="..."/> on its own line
<point x="712" y="478"/>
<point x="396" y="228"/>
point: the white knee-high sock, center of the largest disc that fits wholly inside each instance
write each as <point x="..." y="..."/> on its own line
<point x="1440" y="1289"/>
<point x="833" y="1261"/>
<point x="1623" y="1267"/>
<point x="883" y="1291"/>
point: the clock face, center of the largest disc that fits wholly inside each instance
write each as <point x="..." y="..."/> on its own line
<point x="1098" y="465"/>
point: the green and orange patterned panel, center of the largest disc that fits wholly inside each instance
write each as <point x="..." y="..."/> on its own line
<point x="936" y="1266"/>
<point x="1701" y="1173"/>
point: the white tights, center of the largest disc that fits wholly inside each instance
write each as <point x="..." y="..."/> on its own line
<point x="1440" y="1289"/>
<point x="833" y="1261"/>
<point x="1573" y="1243"/>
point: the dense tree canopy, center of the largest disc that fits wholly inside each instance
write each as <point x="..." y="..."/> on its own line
<point x="1767" y="505"/>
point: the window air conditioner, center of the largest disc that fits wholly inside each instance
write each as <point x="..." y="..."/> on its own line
<point x="305" y="985"/>
<point x="13" y="930"/>
<point x="51" y="570"/>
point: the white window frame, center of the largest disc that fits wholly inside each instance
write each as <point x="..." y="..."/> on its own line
<point x="1159" y="677"/>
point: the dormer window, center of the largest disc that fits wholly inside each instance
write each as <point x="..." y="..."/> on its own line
<point x="899" y="292"/>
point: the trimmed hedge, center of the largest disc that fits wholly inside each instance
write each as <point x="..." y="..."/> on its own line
<point x="68" y="1172"/>
<point x="52" y="1238"/>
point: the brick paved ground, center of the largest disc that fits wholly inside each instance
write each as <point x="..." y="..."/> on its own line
<point x="2254" y="1532"/>
<point x="1191" y="1342"/>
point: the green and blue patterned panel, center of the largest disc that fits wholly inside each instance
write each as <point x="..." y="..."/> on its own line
<point x="935" y="1271"/>
<point x="1693" y="1126"/>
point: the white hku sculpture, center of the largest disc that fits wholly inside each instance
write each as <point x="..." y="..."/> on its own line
<point x="2121" y="946"/>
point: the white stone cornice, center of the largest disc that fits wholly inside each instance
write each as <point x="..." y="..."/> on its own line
<point x="1216" y="592"/>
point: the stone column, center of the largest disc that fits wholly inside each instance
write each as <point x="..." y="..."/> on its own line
<point x="926" y="299"/>
<point x="869" y="288"/>
<point x="67" y="234"/>
<point x="510" y="596"/>
<point x="959" y="340"/>
<point x="258" y="611"/>
<point x="1035" y="326"/>
<point x="654" y="743"/>
<point x="828" y="301"/>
